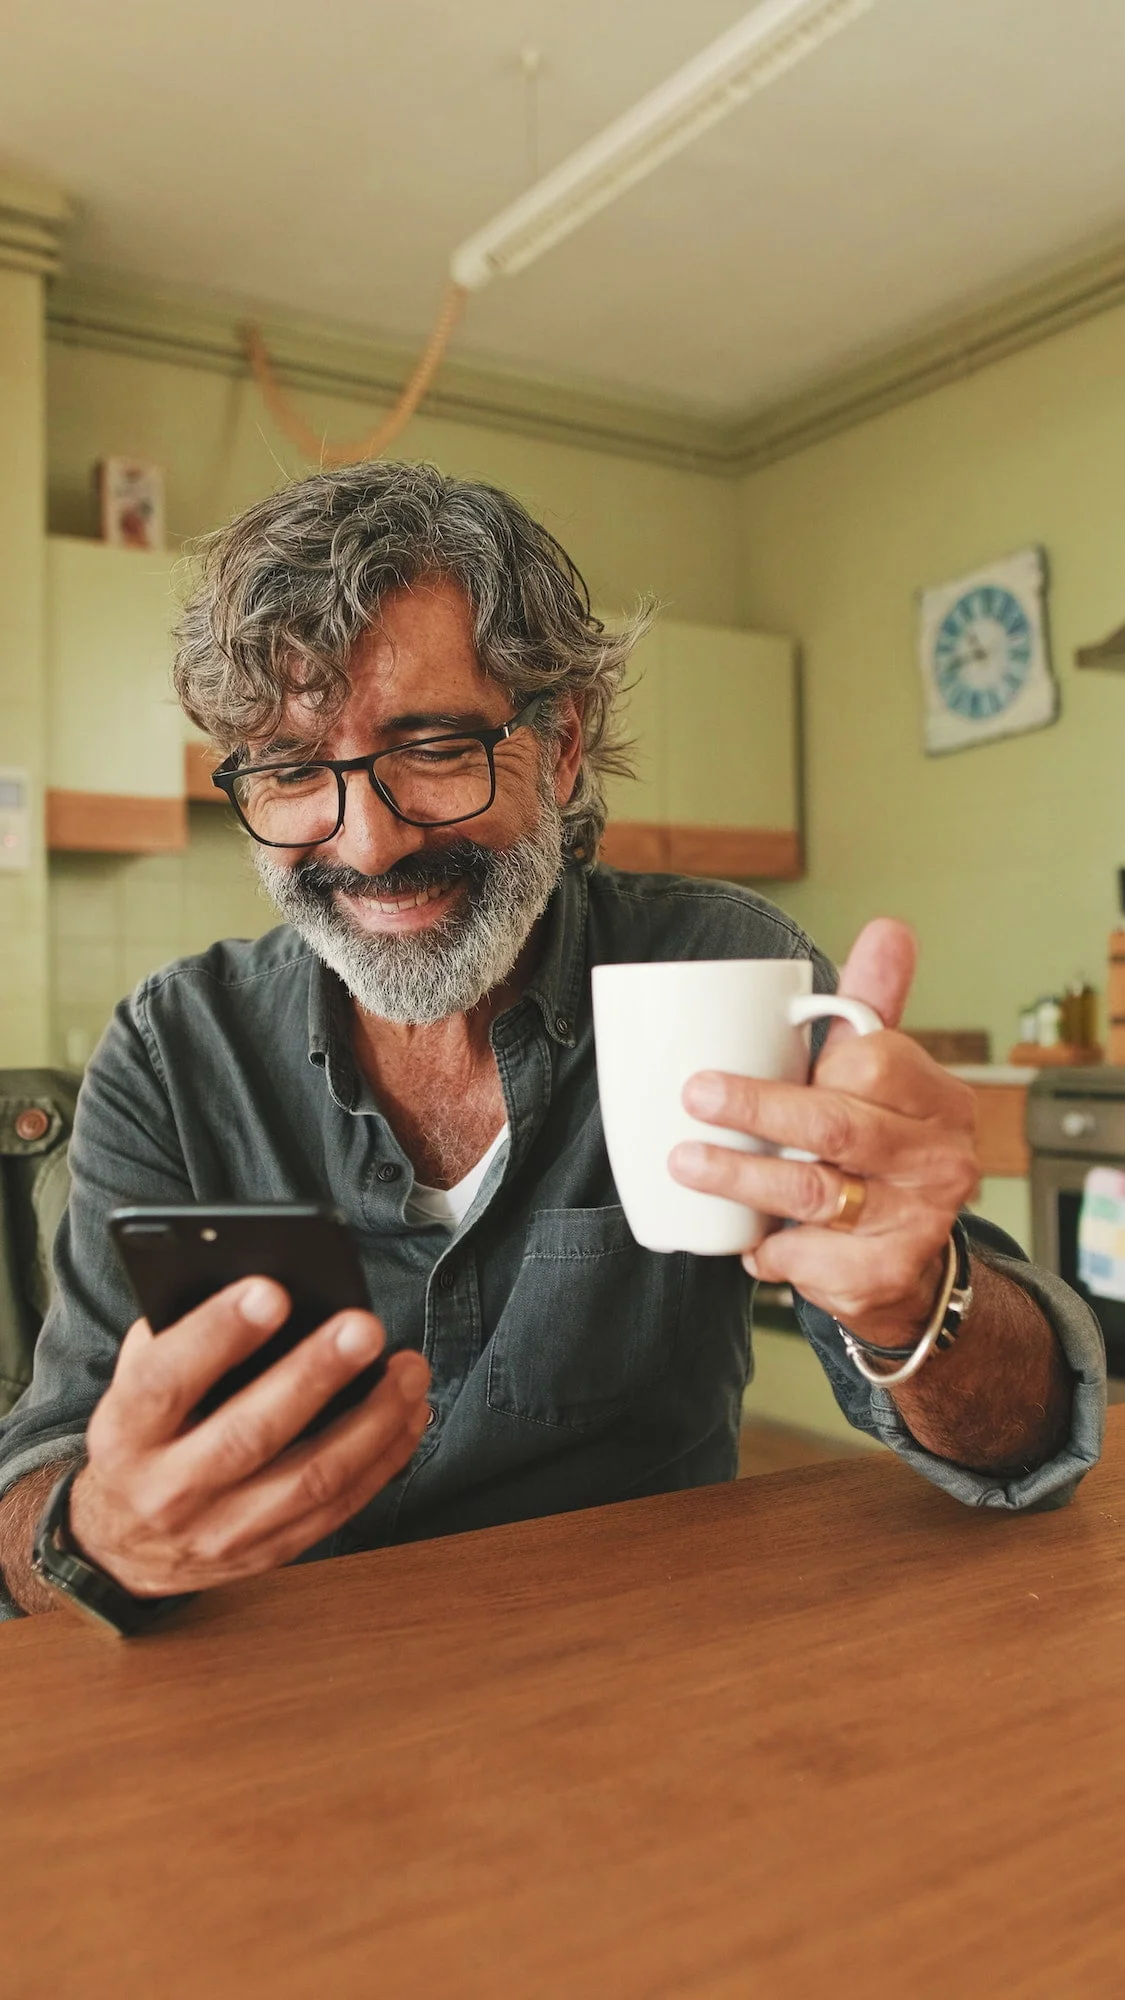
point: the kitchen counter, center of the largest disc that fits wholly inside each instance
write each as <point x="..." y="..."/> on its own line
<point x="992" y="1073"/>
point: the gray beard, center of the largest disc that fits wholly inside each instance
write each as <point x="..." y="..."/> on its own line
<point x="426" y="976"/>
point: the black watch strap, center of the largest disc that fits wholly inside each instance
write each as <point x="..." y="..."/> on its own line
<point x="960" y="1299"/>
<point x="59" y="1562"/>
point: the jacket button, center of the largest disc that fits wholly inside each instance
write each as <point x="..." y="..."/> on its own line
<point x="431" y="1417"/>
<point x="562" y="1025"/>
<point x="388" y="1171"/>
<point x="32" y="1123"/>
<point x="447" y="1279"/>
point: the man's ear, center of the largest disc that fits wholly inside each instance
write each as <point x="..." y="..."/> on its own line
<point x="568" y="747"/>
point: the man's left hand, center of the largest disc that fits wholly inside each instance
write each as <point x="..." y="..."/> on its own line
<point x="879" y="1110"/>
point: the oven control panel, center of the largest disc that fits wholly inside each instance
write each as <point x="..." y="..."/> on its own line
<point x="1077" y="1122"/>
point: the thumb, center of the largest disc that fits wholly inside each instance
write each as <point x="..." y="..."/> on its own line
<point x="880" y="968"/>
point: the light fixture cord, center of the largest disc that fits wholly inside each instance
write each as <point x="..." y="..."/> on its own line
<point x="531" y="63"/>
<point x="310" y="443"/>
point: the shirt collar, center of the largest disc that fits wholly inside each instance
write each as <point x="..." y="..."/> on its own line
<point x="555" y="988"/>
<point x="330" y="1041"/>
<point x="556" y="985"/>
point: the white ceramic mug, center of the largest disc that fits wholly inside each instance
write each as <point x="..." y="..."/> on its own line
<point x="656" y="1025"/>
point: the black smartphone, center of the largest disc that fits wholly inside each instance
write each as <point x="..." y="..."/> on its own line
<point x="175" y="1258"/>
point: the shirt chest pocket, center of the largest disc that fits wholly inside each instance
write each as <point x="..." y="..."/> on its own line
<point x="591" y="1322"/>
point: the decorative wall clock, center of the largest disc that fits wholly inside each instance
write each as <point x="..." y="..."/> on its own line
<point x="984" y="656"/>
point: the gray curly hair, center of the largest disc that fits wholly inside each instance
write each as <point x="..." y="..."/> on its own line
<point x="289" y="587"/>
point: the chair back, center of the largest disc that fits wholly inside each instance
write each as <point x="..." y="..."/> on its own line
<point x="36" y="1116"/>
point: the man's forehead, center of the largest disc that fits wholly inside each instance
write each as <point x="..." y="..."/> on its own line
<point x="414" y="669"/>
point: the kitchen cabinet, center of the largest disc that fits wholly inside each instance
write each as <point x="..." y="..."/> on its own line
<point x="1000" y="1091"/>
<point x="713" y="713"/>
<point x="200" y="759"/>
<point x="115" y="765"/>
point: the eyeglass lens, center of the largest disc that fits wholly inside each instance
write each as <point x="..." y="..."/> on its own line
<point x="297" y="805"/>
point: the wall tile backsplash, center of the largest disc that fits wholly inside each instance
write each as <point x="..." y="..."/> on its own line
<point x="115" y="918"/>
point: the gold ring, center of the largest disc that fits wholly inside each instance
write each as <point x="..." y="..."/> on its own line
<point x="850" y="1206"/>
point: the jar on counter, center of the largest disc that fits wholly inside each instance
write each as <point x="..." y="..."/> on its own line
<point x="1048" y="1024"/>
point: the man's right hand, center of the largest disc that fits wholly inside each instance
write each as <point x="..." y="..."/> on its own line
<point x="167" y="1506"/>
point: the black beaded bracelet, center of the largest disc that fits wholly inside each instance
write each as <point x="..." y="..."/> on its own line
<point x="957" y="1305"/>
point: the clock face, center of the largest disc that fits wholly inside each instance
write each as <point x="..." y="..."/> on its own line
<point x="982" y="652"/>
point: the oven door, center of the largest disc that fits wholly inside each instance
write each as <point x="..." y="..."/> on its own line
<point x="1057" y="1186"/>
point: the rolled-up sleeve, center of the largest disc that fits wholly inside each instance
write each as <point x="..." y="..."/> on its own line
<point x="124" y="1148"/>
<point x="873" y="1410"/>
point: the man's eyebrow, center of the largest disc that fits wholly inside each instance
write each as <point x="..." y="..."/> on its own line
<point x="284" y="746"/>
<point x="396" y="725"/>
<point x="430" y="719"/>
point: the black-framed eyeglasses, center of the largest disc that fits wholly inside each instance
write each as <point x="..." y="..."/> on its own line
<point x="431" y="781"/>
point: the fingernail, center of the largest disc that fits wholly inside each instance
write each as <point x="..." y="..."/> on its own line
<point x="750" y="1264"/>
<point x="261" y="1303"/>
<point x="359" y="1339"/>
<point x="704" y="1093"/>
<point x="688" y="1158"/>
<point x="413" y="1377"/>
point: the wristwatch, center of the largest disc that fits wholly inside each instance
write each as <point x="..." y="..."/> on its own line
<point x="59" y="1562"/>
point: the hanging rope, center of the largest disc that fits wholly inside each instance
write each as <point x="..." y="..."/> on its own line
<point x="310" y="443"/>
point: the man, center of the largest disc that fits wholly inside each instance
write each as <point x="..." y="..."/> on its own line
<point x="417" y="706"/>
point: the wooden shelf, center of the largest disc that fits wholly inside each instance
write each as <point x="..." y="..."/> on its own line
<point x="767" y="854"/>
<point x="200" y="759"/>
<point x="107" y="823"/>
<point x="1061" y="1055"/>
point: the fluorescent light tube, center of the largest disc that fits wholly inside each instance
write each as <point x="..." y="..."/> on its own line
<point x="762" y="46"/>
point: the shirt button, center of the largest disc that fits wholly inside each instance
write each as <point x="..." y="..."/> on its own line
<point x="32" y="1123"/>
<point x="388" y="1171"/>
<point x="447" y="1279"/>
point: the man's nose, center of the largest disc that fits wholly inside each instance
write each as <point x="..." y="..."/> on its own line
<point x="371" y="838"/>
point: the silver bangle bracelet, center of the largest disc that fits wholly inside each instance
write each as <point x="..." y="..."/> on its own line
<point x="926" y="1344"/>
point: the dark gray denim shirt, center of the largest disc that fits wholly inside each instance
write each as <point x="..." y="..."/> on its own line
<point x="570" y="1367"/>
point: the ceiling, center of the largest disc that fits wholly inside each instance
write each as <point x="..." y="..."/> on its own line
<point x="328" y="159"/>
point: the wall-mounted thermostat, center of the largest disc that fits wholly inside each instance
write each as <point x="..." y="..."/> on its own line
<point x="15" y="820"/>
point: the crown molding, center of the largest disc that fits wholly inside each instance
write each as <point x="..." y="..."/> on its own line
<point x="1061" y="296"/>
<point x="87" y="309"/>
<point x="33" y="221"/>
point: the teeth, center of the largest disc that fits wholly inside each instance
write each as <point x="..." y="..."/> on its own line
<point x="415" y="902"/>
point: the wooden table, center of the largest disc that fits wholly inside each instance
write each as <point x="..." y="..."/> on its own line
<point x="823" y="1733"/>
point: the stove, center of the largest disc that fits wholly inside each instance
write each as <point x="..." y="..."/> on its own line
<point x="1075" y="1121"/>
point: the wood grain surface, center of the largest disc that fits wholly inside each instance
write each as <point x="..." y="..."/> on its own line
<point x="825" y="1733"/>
<point x="107" y="823"/>
<point x="200" y="759"/>
<point x="1002" y="1146"/>
<point x="738" y="853"/>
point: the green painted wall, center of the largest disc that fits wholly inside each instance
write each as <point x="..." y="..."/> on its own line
<point x="632" y="527"/>
<point x="1003" y="856"/>
<point x="114" y="918"/>
<point x="24" y="961"/>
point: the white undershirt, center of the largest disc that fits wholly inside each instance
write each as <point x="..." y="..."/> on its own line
<point x="450" y="1206"/>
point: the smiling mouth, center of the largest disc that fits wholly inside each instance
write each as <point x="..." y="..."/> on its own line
<point x="414" y="899"/>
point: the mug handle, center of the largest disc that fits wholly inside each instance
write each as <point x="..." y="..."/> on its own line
<point x="815" y="1006"/>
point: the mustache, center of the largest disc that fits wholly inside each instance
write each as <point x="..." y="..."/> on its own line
<point x="463" y="860"/>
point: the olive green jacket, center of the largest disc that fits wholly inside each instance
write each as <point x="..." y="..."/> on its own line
<point x="36" y="1114"/>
